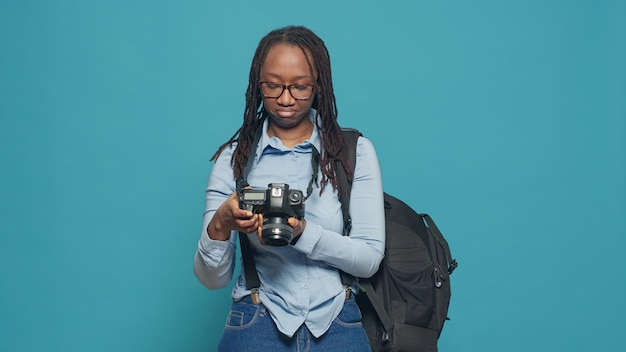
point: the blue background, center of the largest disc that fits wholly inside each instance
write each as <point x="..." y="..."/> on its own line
<point x="506" y="121"/>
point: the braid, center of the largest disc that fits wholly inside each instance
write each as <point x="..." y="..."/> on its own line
<point x="324" y="103"/>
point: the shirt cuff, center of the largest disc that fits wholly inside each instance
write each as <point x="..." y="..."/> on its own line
<point x="309" y="238"/>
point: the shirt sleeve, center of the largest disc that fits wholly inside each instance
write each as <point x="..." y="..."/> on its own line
<point x="361" y="252"/>
<point x="214" y="261"/>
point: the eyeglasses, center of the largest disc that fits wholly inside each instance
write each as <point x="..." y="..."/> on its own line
<point x="297" y="91"/>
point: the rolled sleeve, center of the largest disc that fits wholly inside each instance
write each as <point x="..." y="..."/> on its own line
<point x="214" y="261"/>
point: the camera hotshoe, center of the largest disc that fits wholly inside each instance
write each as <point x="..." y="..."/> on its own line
<point x="277" y="204"/>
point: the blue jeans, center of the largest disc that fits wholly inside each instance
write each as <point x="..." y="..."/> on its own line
<point x="250" y="328"/>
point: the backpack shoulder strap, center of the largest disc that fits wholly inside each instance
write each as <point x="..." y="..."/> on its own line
<point x="350" y="136"/>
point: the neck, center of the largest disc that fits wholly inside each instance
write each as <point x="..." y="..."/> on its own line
<point x="291" y="136"/>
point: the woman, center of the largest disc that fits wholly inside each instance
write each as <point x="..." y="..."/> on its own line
<point x="303" y="304"/>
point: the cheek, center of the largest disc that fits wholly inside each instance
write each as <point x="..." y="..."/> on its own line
<point x="305" y="105"/>
<point x="268" y="103"/>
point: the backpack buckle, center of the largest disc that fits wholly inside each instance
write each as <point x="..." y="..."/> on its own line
<point x="438" y="276"/>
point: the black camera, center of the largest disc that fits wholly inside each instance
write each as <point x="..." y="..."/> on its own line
<point x="277" y="204"/>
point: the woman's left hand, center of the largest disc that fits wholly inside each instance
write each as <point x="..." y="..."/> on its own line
<point x="298" y="227"/>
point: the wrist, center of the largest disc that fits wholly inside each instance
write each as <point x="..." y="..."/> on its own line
<point x="216" y="233"/>
<point x="296" y="235"/>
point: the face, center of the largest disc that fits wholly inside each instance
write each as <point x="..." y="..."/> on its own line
<point x="286" y="64"/>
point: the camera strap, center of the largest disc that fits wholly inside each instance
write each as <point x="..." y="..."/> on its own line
<point x="249" y="268"/>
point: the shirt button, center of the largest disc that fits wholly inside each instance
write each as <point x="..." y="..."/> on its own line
<point x="304" y="286"/>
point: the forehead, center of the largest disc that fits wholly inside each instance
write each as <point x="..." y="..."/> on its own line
<point x="287" y="60"/>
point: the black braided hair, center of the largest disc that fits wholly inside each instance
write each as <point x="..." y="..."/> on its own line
<point x="324" y="102"/>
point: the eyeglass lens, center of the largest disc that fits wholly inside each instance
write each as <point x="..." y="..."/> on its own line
<point x="297" y="91"/>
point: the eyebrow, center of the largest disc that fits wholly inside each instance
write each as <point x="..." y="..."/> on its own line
<point x="275" y="75"/>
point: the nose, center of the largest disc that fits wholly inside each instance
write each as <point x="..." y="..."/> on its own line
<point x="285" y="99"/>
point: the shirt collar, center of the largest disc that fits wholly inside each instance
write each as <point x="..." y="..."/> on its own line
<point x="273" y="142"/>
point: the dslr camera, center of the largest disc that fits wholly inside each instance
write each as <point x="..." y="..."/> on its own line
<point x="277" y="204"/>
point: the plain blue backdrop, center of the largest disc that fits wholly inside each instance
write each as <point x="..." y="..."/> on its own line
<point x="506" y="121"/>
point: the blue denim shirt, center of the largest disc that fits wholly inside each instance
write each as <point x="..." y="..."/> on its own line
<point x="300" y="283"/>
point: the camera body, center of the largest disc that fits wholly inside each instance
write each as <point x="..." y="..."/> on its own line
<point x="277" y="204"/>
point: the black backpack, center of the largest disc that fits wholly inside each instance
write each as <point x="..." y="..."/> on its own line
<point x="405" y="304"/>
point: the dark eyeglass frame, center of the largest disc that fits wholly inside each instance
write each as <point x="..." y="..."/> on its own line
<point x="288" y="87"/>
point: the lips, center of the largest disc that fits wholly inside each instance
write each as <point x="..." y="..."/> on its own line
<point x="286" y="113"/>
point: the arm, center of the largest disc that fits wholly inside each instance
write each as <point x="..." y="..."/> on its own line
<point x="214" y="261"/>
<point x="360" y="253"/>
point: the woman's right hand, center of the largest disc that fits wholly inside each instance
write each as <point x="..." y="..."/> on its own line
<point x="229" y="217"/>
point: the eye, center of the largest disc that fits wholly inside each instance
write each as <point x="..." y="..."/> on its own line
<point x="272" y="86"/>
<point x="301" y="87"/>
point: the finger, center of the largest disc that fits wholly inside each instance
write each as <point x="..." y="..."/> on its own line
<point x="259" y="219"/>
<point x="259" y="229"/>
<point x="242" y="214"/>
<point x="247" y="226"/>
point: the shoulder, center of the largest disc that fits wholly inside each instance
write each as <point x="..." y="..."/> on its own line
<point x="226" y="154"/>
<point x="364" y="147"/>
<point x="367" y="163"/>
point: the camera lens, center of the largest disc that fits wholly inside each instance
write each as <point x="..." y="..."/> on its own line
<point x="276" y="231"/>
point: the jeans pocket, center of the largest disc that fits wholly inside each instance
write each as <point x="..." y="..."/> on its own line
<point x="350" y="315"/>
<point x="243" y="314"/>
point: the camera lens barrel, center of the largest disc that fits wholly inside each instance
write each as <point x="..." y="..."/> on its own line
<point x="276" y="231"/>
